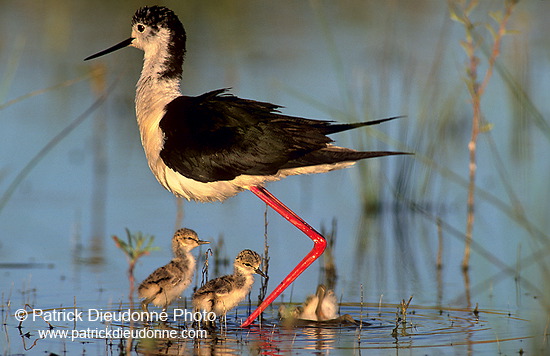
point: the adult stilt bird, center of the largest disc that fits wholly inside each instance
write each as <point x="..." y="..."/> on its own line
<point x="213" y="146"/>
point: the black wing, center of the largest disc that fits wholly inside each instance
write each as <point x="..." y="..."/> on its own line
<point x="218" y="136"/>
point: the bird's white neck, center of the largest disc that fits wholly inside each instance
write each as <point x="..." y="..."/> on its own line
<point x="160" y="78"/>
<point x="153" y="92"/>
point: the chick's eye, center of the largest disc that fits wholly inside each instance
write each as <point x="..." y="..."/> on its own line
<point x="140" y="28"/>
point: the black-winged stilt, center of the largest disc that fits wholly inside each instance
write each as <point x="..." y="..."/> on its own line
<point x="166" y="283"/>
<point x="321" y="308"/>
<point x="222" y="294"/>
<point x="211" y="147"/>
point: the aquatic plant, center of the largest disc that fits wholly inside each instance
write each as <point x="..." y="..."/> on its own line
<point x="461" y="11"/>
<point x="136" y="246"/>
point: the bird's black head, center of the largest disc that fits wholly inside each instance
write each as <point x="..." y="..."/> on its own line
<point x="156" y="28"/>
<point x="150" y="24"/>
<point x="156" y="17"/>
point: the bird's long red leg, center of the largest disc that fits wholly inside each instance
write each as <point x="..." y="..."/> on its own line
<point x="319" y="244"/>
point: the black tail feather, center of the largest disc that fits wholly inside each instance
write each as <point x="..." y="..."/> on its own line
<point x="334" y="128"/>
<point x="333" y="155"/>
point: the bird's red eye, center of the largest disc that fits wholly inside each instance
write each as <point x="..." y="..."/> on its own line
<point x="140" y="28"/>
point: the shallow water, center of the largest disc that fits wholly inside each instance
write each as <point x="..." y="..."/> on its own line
<point x="94" y="324"/>
<point x="394" y="217"/>
<point x="425" y="330"/>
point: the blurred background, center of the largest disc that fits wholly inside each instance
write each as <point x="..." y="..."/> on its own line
<point x="71" y="179"/>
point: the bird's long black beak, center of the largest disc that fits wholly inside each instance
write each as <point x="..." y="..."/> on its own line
<point x="120" y="45"/>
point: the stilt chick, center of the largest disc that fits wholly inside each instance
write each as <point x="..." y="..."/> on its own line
<point x="222" y="294"/>
<point x="321" y="308"/>
<point x="168" y="282"/>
